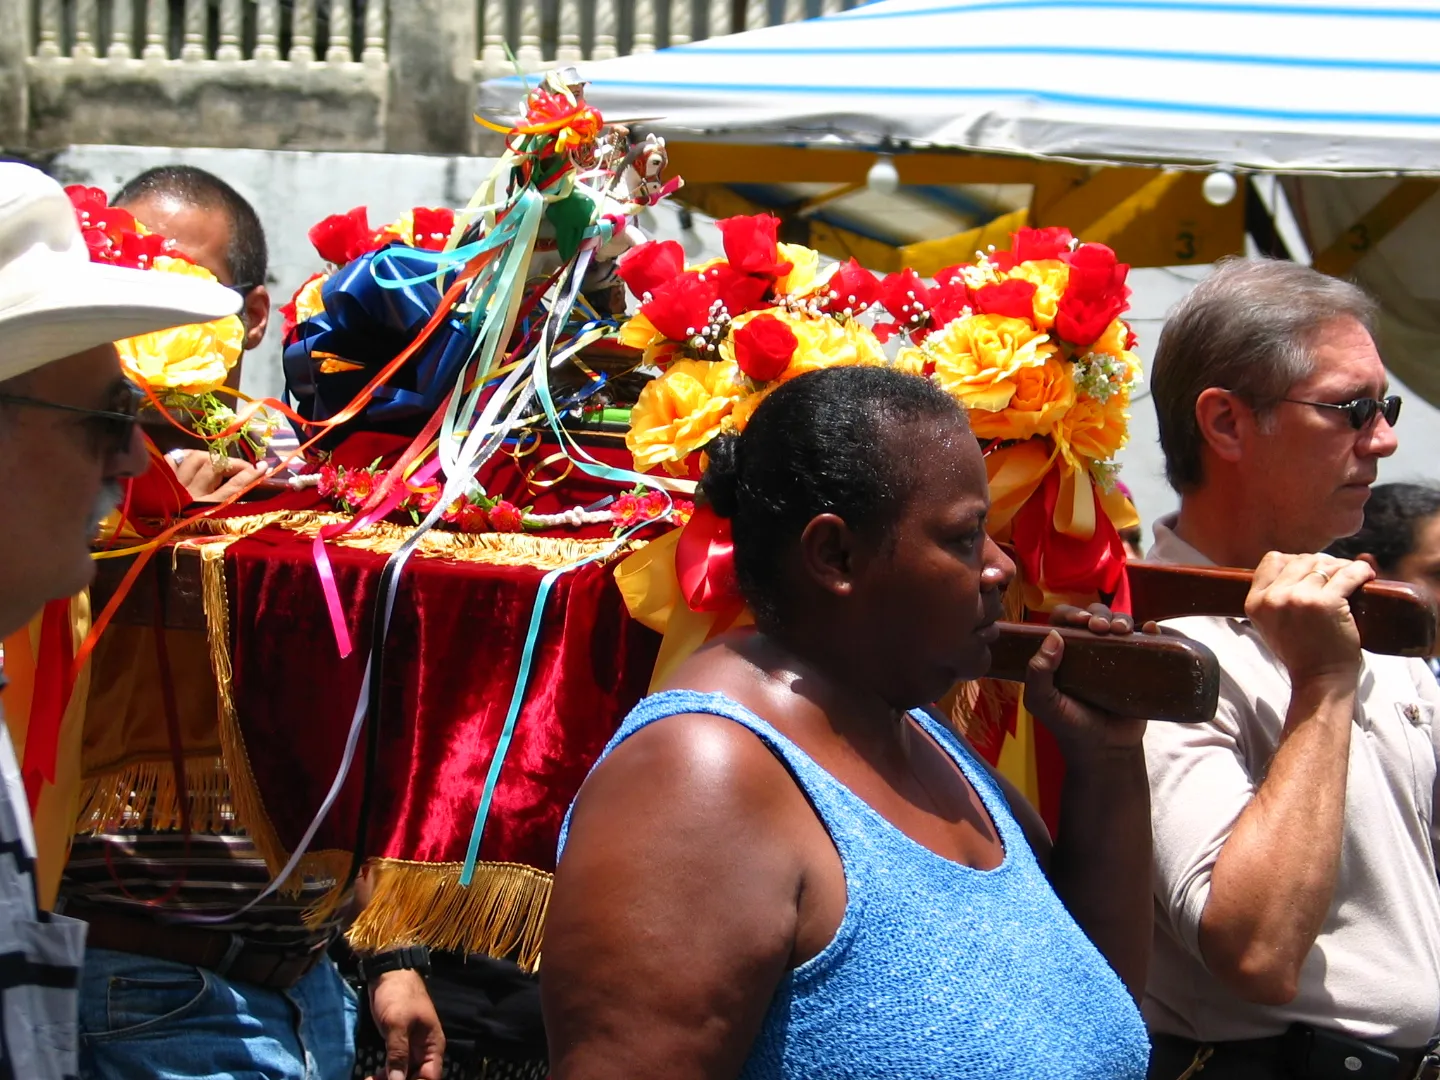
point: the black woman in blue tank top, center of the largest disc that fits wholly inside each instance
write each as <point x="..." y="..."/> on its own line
<point x="783" y="866"/>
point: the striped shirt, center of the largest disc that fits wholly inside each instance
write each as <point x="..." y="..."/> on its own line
<point x="40" y="953"/>
<point x="135" y="873"/>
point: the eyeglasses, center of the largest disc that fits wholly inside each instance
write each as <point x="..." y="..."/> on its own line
<point x="1360" y="411"/>
<point x="109" y="430"/>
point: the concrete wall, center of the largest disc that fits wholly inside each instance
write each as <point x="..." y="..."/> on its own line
<point x="292" y="191"/>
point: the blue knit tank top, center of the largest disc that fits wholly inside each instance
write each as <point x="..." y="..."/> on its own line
<point x="938" y="971"/>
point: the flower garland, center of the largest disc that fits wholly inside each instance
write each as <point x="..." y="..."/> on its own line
<point x="1030" y="341"/>
<point x="184" y="366"/>
<point x="349" y="488"/>
<point x="729" y="331"/>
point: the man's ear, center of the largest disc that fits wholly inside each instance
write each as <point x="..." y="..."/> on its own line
<point x="1369" y="560"/>
<point x="1224" y="420"/>
<point x="827" y="554"/>
<point x="255" y="315"/>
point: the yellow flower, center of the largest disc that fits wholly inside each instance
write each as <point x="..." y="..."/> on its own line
<point x="804" y="266"/>
<point x="1050" y="277"/>
<point x="403" y="228"/>
<point x="191" y="359"/>
<point x="639" y="332"/>
<point x="1113" y="340"/>
<point x="977" y="357"/>
<point x="1091" y="430"/>
<point x="681" y="411"/>
<point x="1042" y="396"/>
<point x="308" y="303"/>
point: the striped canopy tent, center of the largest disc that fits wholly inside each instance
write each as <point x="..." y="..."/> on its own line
<point x="1102" y="115"/>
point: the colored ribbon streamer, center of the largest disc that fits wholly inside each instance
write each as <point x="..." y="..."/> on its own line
<point x="705" y="563"/>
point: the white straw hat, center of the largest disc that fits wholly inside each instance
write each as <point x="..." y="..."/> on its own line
<point x="54" y="302"/>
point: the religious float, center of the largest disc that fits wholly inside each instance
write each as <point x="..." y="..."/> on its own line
<point x="404" y="659"/>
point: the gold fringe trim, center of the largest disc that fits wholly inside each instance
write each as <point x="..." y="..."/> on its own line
<point x="385" y="538"/>
<point x="143" y="796"/>
<point x="250" y="813"/>
<point x="501" y="914"/>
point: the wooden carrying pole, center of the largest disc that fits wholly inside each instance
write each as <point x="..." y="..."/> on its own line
<point x="1393" y="617"/>
<point x="1143" y="675"/>
<point x="1154" y="676"/>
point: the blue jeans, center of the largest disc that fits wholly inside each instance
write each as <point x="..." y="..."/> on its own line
<point x="144" y="1019"/>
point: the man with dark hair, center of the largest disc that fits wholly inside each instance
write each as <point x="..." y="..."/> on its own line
<point x="1400" y="538"/>
<point x="169" y="992"/>
<point x="1297" y="905"/>
<point x="181" y="201"/>
<point x="215" y="227"/>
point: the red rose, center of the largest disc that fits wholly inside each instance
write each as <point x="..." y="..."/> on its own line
<point x="1081" y="320"/>
<point x="356" y="487"/>
<point x="1015" y="299"/>
<point x="98" y="244"/>
<point x="909" y="303"/>
<point x="680" y="308"/>
<point x="750" y="245"/>
<point x="646" y="268"/>
<point x="432" y="227"/>
<point x="1051" y="243"/>
<point x="142" y="251"/>
<point x="949" y="300"/>
<point x="86" y="200"/>
<point x="763" y="348"/>
<point x="738" y="292"/>
<point x="329" y="485"/>
<point x="1095" y="272"/>
<point x="342" y="237"/>
<point x="851" y="289"/>
<point x="1095" y="295"/>
<point x="506" y="517"/>
<point x="469" y="517"/>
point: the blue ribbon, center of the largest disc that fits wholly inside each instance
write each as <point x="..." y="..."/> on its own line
<point x="371" y="313"/>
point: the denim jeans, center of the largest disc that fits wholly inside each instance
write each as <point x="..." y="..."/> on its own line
<point x="145" y="1019"/>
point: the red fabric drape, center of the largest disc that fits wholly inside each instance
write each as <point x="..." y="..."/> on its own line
<point x="450" y="665"/>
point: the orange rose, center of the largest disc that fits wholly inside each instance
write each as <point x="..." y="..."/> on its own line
<point x="1091" y="430"/>
<point x="977" y="358"/>
<point x="1042" y="396"/>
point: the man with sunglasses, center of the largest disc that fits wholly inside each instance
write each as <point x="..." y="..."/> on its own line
<point x="67" y="440"/>
<point x="1297" y="904"/>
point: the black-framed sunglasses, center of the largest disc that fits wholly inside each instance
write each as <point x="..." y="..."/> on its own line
<point x="1360" y="411"/>
<point x="109" y="430"/>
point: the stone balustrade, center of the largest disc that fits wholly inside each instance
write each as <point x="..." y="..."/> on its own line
<point x="394" y="75"/>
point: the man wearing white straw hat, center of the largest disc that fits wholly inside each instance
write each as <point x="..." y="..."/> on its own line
<point x="67" y="440"/>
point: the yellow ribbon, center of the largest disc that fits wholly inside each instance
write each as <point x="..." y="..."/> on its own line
<point x="651" y="591"/>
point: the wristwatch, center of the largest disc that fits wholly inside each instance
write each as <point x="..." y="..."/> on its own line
<point x="410" y="958"/>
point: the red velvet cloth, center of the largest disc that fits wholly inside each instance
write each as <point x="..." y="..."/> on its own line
<point x="450" y="666"/>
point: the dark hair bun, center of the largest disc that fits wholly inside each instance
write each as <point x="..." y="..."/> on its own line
<point x="721" y="482"/>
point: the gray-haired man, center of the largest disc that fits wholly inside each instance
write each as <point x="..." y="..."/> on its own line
<point x="1298" y="911"/>
<point x="67" y="440"/>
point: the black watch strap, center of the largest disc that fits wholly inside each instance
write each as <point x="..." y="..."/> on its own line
<point x="410" y="958"/>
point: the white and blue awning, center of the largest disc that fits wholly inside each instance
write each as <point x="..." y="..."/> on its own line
<point x="1289" y="85"/>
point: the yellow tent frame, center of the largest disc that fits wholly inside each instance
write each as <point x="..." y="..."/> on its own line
<point x="1150" y="216"/>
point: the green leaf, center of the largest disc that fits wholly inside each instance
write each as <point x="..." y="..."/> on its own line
<point x="571" y="217"/>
